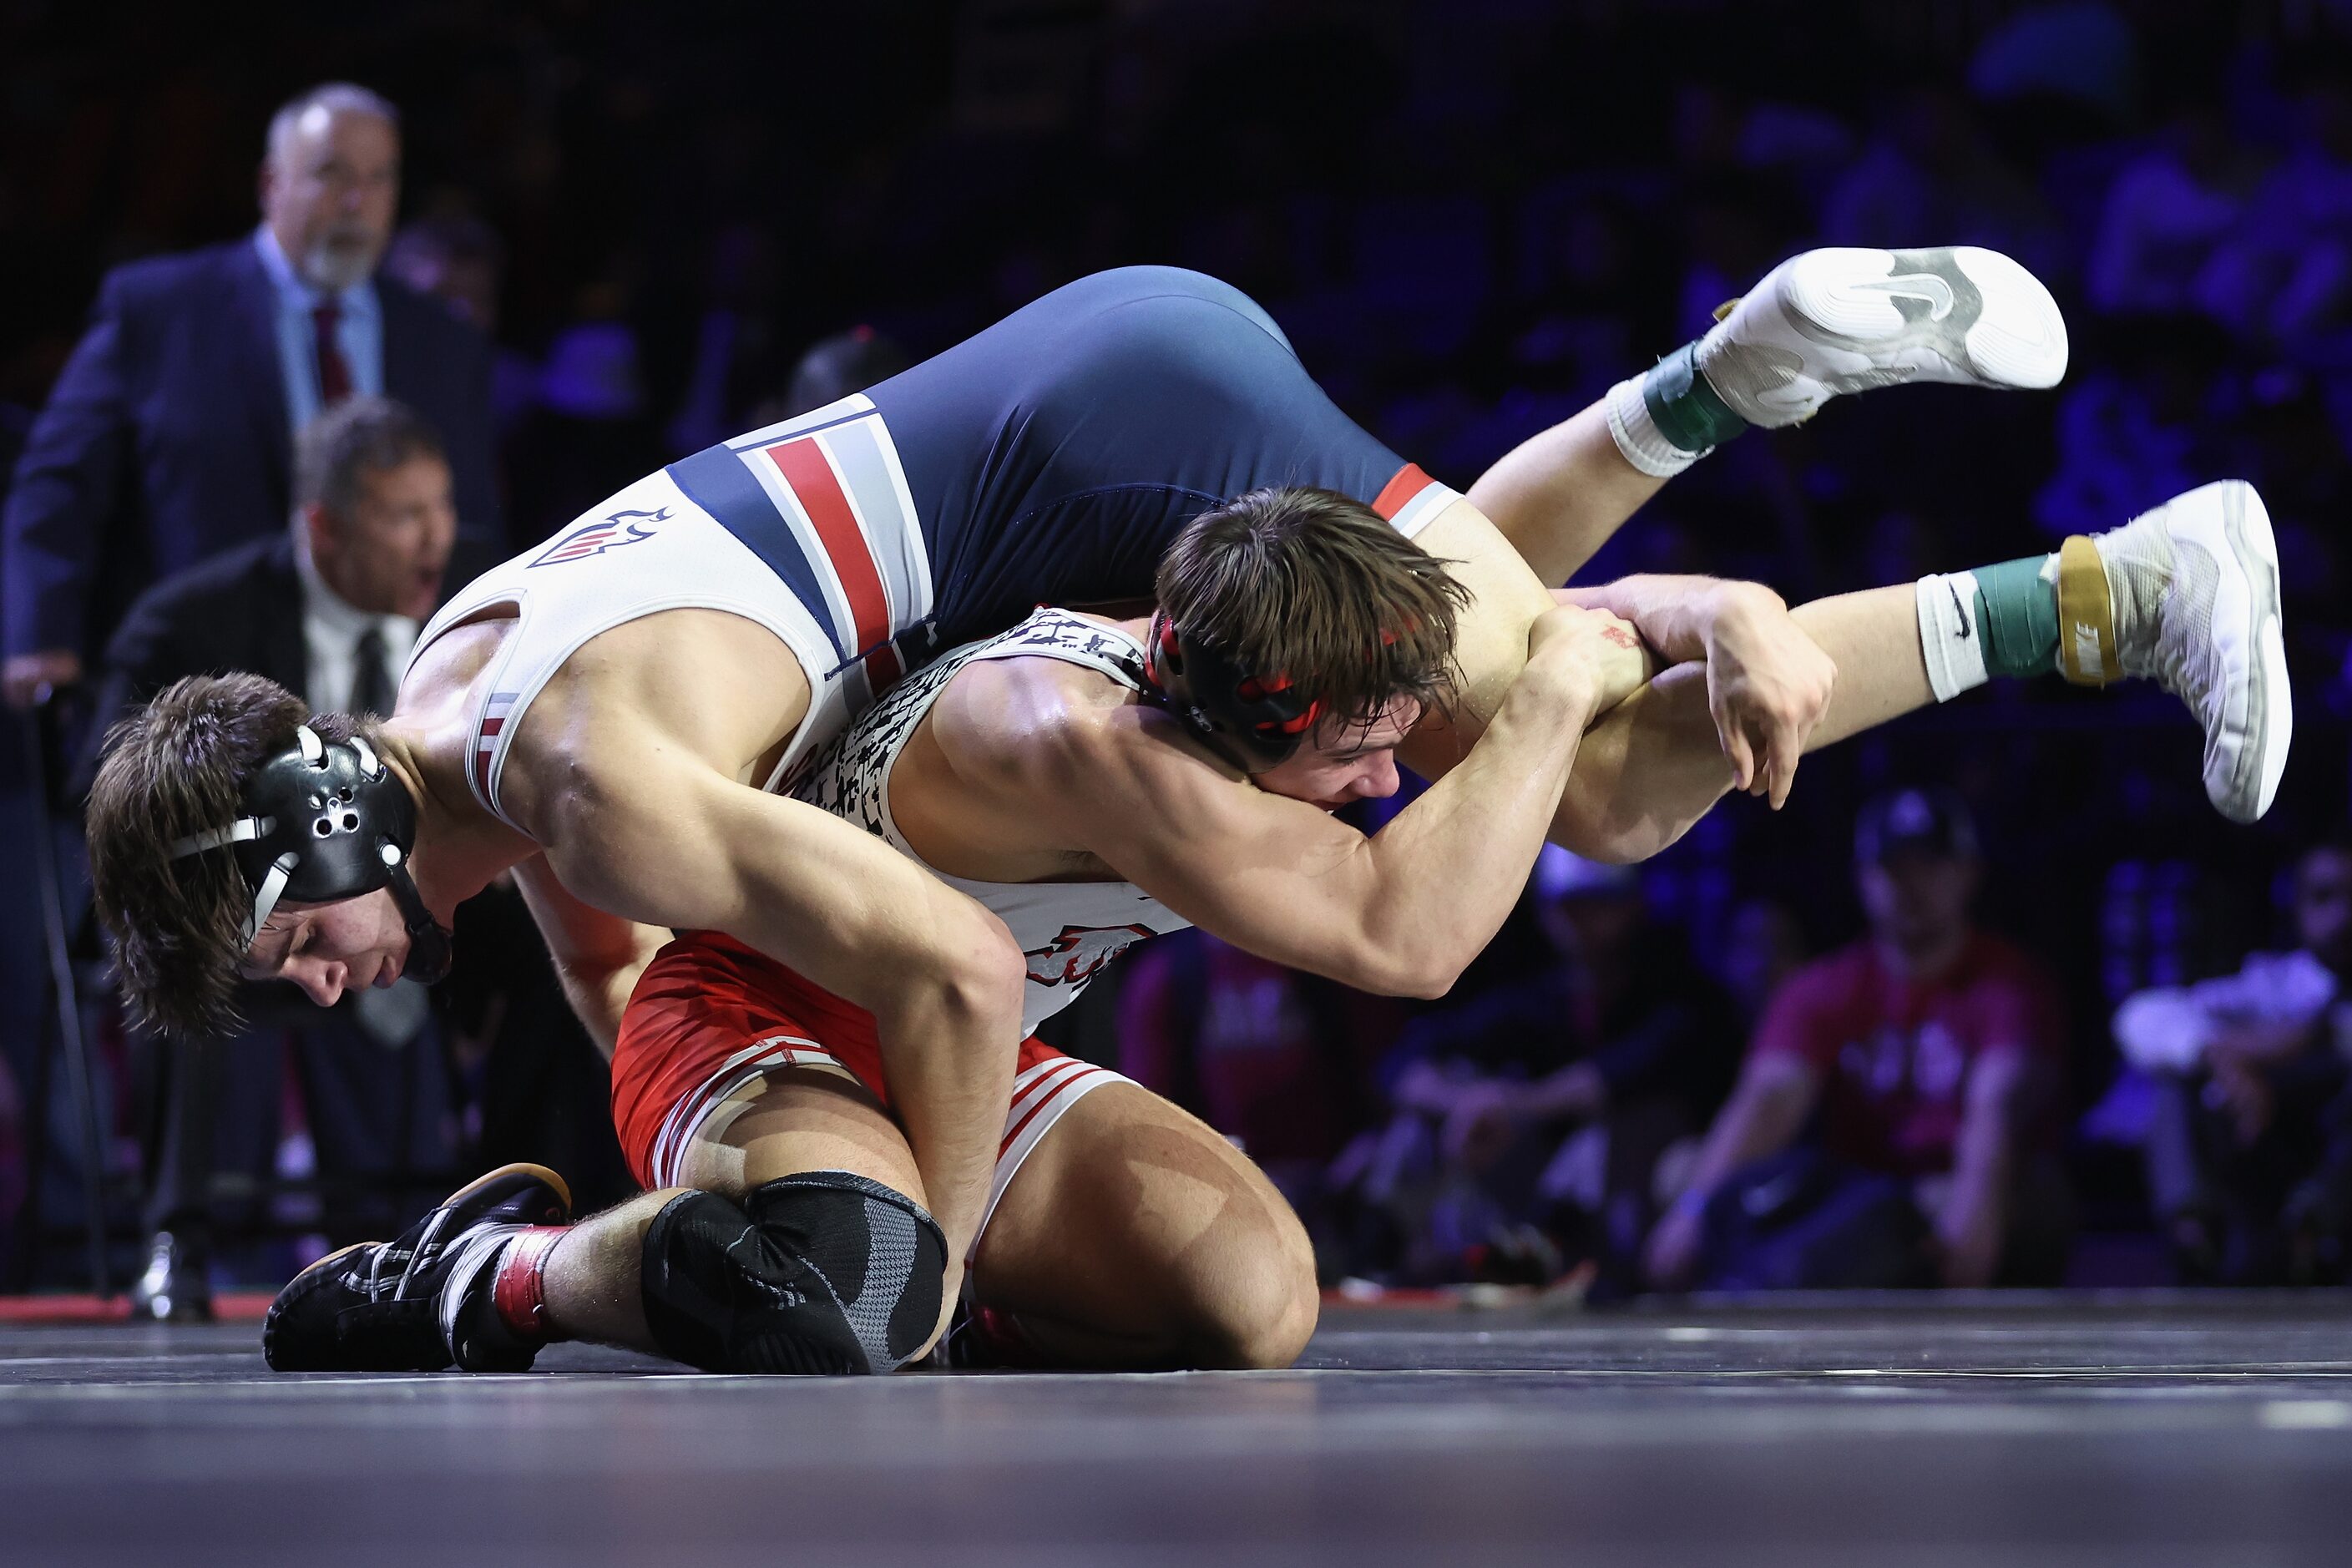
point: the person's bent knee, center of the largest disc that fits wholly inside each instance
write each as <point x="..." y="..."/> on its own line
<point x="825" y="1273"/>
<point x="1258" y="1316"/>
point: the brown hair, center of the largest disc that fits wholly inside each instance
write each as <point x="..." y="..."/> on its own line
<point x="1314" y="586"/>
<point x="175" y="767"/>
<point x="359" y="434"/>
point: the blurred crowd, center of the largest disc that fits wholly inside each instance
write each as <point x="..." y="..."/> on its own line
<point x="1978" y="1007"/>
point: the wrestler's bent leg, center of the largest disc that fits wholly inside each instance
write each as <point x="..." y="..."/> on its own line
<point x="1654" y="764"/>
<point x="1135" y="1237"/>
<point x="2186" y="595"/>
<point x="1559" y="496"/>
<point x="802" y="1188"/>
<point x="1821" y="324"/>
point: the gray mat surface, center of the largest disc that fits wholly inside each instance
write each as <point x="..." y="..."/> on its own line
<point x="2148" y="1431"/>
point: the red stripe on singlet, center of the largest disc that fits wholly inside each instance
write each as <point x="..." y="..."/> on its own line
<point x="1050" y="1082"/>
<point x="805" y="467"/>
<point x="1409" y="481"/>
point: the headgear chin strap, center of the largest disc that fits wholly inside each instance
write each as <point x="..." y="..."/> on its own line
<point x="1255" y="721"/>
<point x="323" y="823"/>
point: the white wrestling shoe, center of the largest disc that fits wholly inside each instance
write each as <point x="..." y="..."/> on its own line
<point x="1846" y="320"/>
<point x="2194" y="586"/>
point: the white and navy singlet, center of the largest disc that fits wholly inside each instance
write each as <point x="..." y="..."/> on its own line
<point x="1051" y="459"/>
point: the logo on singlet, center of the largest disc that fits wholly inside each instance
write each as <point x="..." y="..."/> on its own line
<point x="1072" y="958"/>
<point x="611" y="533"/>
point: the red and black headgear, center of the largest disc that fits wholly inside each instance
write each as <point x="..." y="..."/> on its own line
<point x="1255" y="721"/>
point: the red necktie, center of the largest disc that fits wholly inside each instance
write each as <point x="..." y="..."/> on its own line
<point x="334" y="375"/>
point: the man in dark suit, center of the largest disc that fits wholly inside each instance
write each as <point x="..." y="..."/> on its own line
<point x="168" y="436"/>
<point x="330" y="608"/>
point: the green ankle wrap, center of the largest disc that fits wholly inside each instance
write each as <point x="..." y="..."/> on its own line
<point x="2017" y="609"/>
<point x="1686" y="410"/>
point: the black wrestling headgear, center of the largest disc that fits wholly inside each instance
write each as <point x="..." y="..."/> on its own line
<point x="325" y="822"/>
<point x="1256" y="720"/>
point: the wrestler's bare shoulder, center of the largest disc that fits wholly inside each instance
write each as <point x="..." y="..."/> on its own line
<point x="1031" y="722"/>
<point x="984" y="786"/>
<point x="715" y="684"/>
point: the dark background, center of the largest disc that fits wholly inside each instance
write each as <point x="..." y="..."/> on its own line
<point x="1471" y="217"/>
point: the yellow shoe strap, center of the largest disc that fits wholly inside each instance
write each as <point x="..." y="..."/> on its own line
<point x="2086" y="615"/>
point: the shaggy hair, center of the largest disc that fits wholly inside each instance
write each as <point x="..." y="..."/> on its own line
<point x="1312" y="585"/>
<point x="176" y="767"/>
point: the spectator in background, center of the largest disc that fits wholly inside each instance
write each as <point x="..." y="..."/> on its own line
<point x="2167" y="213"/>
<point x="2082" y="53"/>
<point x="1932" y="171"/>
<point x="1927" y="1053"/>
<point x="461" y="262"/>
<point x="2284" y="274"/>
<point x="2140" y="425"/>
<point x="168" y="436"/>
<point x="2245" y="1067"/>
<point x="588" y="427"/>
<point x="1763" y="946"/>
<point x="1547" y="1104"/>
<point x="329" y="608"/>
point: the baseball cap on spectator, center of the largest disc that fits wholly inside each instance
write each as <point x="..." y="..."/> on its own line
<point x="1929" y="821"/>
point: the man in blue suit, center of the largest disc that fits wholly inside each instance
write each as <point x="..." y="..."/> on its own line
<point x="169" y="436"/>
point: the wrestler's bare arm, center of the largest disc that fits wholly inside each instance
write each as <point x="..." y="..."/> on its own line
<point x="598" y="956"/>
<point x="1656" y="763"/>
<point x="1402" y="913"/>
<point x="628" y="772"/>
<point x="1769" y="685"/>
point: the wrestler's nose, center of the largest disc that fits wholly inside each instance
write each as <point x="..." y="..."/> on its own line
<point x="1378" y="779"/>
<point x="325" y="984"/>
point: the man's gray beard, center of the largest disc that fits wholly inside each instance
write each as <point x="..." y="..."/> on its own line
<point x="334" y="267"/>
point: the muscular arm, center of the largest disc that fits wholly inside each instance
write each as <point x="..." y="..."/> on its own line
<point x="598" y="957"/>
<point x="1764" y="1115"/>
<point x="1769" y="685"/>
<point x="671" y="842"/>
<point x="58" y="511"/>
<point x="627" y="782"/>
<point x="1675" y="614"/>
<point x="1765" y="1111"/>
<point x="1974" y="1219"/>
<point x="1654" y="764"/>
<point x="1401" y="913"/>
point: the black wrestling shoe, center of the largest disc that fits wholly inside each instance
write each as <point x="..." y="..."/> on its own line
<point x="423" y="1303"/>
